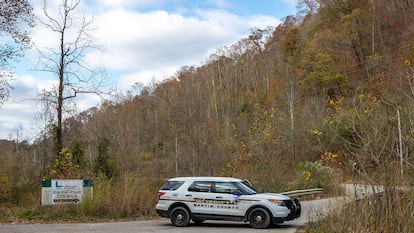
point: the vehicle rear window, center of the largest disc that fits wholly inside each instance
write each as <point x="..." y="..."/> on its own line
<point x="172" y="185"/>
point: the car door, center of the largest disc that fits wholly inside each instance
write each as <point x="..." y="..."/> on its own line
<point x="227" y="197"/>
<point x="201" y="192"/>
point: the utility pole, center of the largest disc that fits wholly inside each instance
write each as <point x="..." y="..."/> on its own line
<point x="176" y="154"/>
<point x="400" y="142"/>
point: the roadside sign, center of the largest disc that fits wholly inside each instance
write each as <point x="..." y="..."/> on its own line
<point x="56" y="192"/>
<point x="66" y="191"/>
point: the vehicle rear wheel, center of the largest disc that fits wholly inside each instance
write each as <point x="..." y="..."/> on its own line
<point x="180" y="217"/>
<point x="259" y="218"/>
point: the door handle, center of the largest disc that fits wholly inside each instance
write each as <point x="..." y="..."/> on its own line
<point x="188" y="195"/>
<point x="219" y="197"/>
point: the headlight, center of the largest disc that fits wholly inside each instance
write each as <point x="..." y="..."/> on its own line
<point x="278" y="202"/>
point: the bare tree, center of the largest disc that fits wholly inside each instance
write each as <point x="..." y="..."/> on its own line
<point x="15" y="18"/>
<point x="67" y="61"/>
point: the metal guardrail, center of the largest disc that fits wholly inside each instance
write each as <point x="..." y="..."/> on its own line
<point x="304" y="192"/>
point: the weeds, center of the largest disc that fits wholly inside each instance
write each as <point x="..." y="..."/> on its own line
<point x="388" y="212"/>
<point x="127" y="198"/>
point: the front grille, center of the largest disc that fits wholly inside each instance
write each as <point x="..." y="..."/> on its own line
<point x="289" y="204"/>
<point x="295" y="209"/>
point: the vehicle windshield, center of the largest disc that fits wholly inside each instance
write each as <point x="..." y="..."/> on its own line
<point x="245" y="188"/>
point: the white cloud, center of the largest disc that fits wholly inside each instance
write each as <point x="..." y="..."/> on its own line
<point x="27" y="87"/>
<point x="86" y="101"/>
<point x="20" y="112"/>
<point x="136" y="41"/>
<point x="262" y="21"/>
<point x="145" y="77"/>
<point x="17" y="114"/>
<point x="143" y="44"/>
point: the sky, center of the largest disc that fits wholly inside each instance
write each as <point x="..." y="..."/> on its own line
<point x="143" y="41"/>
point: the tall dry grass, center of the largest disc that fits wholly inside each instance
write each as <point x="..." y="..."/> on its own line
<point x="390" y="212"/>
<point x="122" y="198"/>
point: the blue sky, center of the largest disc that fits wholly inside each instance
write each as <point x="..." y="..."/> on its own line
<point x="144" y="40"/>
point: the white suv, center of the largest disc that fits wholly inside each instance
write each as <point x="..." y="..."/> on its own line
<point x="219" y="198"/>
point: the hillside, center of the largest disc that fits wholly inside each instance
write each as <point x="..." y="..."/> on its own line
<point x="331" y="81"/>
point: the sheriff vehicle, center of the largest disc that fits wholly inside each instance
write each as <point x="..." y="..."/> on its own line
<point x="185" y="199"/>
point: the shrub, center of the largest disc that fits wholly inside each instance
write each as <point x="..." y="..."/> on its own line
<point x="5" y="188"/>
<point x="316" y="175"/>
<point x="64" y="166"/>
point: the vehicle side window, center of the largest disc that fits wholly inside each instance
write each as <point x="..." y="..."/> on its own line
<point x="225" y="187"/>
<point x="200" y="186"/>
<point x="172" y="185"/>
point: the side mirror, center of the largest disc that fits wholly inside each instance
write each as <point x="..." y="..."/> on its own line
<point x="237" y="192"/>
<point x="261" y="190"/>
<point x="248" y="182"/>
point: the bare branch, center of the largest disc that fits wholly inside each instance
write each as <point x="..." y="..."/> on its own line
<point x="66" y="62"/>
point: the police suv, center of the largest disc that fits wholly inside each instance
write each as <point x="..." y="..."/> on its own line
<point x="183" y="199"/>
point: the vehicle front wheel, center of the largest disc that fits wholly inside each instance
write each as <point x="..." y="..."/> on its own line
<point x="180" y="217"/>
<point x="259" y="218"/>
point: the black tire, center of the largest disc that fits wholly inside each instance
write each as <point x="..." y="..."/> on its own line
<point x="180" y="217"/>
<point x="259" y="218"/>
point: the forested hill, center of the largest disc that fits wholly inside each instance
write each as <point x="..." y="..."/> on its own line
<point x="331" y="85"/>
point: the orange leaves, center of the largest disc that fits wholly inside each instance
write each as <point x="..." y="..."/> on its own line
<point x="330" y="159"/>
<point x="307" y="175"/>
<point x="316" y="132"/>
<point x="368" y="103"/>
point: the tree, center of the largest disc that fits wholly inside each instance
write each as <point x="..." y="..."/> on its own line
<point x="67" y="62"/>
<point x="64" y="167"/>
<point x="15" y="18"/>
<point x="103" y="165"/>
<point x="323" y="78"/>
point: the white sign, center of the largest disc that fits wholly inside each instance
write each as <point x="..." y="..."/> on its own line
<point x="66" y="191"/>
